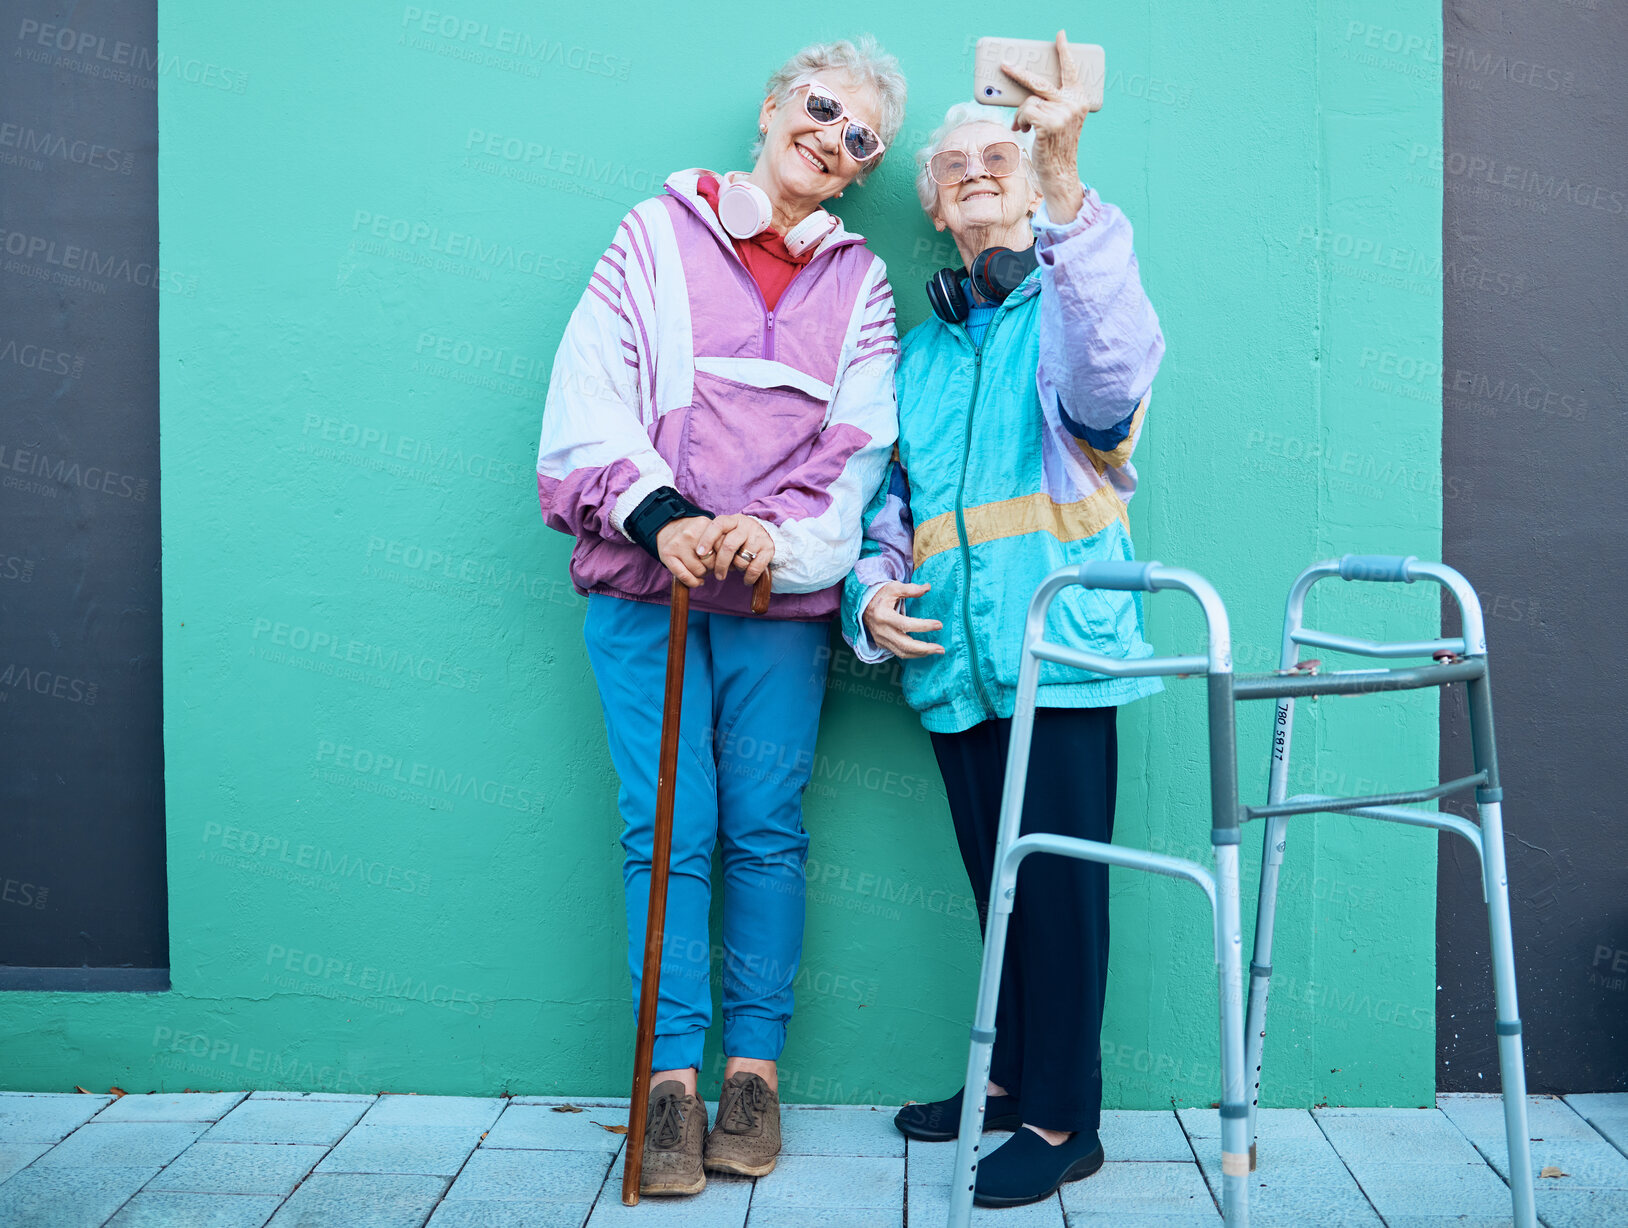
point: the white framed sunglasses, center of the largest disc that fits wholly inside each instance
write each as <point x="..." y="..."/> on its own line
<point x="825" y="108"/>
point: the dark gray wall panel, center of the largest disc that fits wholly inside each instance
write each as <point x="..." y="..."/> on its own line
<point x="1535" y="248"/>
<point x="82" y="838"/>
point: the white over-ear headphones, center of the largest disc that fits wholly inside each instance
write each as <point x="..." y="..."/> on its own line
<point x="744" y="209"/>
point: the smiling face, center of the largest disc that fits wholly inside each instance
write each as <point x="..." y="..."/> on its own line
<point x="803" y="162"/>
<point x="983" y="204"/>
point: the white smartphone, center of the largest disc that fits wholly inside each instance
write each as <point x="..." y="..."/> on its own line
<point x="994" y="88"/>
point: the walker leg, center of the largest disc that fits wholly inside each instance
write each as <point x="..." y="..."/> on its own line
<point x="1511" y="1063"/>
<point x="973" y="1097"/>
<point x="1002" y="897"/>
<point x="1495" y="890"/>
<point x="1260" y="968"/>
<point x="1234" y="1109"/>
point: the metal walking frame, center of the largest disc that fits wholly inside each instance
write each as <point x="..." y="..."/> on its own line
<point x="1220" y="888"/>
<point x="1459" y="659"/>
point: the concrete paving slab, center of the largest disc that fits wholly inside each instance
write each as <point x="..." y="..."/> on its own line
<point x="721" y="1205"/>
<point x="1088" y="1219"/>
<point x="1447" y="1190"/>
<point x="780" y="1217"/>
<point x="1577" y="1208"/>
<point x="540" y="1176"/>
<point x="361" y="1200"/>
<point x="1481" y="1117"/>
<point x="540" y="1169"/>
<point x="1301" y="1179"/>
<point x="68" y="1197"/>
<point x="195" y="1211"/>
<point x="1558" y="1135"/>
<point x="1274" y="1124"/>
<point x="122" y="1145"/>
<point x="620" y="1102"/>
<point x="238" y="1168"/>
<point x="1325" y="1199"/>
<point x="1144" y="1135"/>
<point x="929" y="1205"/>
<point x="538" y="1127"/>
<point x="322" y="1122"/>
<point x="1153" y="1187"/>
<point x="437" y="1150"/>
<point x="1395" y="1136"/>
<point x="334" y="1096"/>
<point x="473" y="1213"/>
<point x="14" y="1157"/>
<point x="813" y="1131"/>
<point x="478" y="1112"/>
<point x="805" y="1183"/>
<point x="45" y="1117"/>
<point x="172" y="1106"/>
<point x="930" y="1163"/>
<point x="1607" y="1113"/>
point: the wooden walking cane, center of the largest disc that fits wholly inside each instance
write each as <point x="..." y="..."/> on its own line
<point x="660" y="855"/>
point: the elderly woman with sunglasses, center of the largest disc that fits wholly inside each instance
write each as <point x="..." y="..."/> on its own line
<point x="1020" y="402"/>
<point x="723" y="399"/>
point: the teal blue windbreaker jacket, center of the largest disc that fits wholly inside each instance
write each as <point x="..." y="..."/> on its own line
<point x="1014" y="460"/>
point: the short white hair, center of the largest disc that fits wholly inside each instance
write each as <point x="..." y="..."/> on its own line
<point x="865" y="62"/>
<point x="959" y="116"/>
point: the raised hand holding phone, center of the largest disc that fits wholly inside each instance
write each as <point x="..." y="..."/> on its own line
<point x="1056" y="113"/>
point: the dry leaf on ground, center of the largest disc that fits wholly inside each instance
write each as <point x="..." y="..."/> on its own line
<point x="567" y="1108"/>
<point x="1552" y="1170"/>
<point x="611" y="1129"/>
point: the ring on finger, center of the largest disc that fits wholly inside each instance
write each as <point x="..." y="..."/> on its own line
<point x="747" y="555"/>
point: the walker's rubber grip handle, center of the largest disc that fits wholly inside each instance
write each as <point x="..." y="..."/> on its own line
<point x="1118" y="575"/>
<point x="1389" y="568"/>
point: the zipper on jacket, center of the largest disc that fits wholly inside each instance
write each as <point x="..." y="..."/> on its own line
<point x="961" y="529"/>
<point x="768" y="316"/>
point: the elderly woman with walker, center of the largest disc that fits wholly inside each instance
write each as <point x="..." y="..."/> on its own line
<point x="723" y="399"/>
<point x="1020" y="402"/>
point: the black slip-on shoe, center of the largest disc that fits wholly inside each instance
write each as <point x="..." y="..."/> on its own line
<point x="1026" y="1168"/>
<point x="939" y="1121"/>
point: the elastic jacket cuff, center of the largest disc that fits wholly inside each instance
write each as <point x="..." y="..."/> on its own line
<point x="652" y="515"/>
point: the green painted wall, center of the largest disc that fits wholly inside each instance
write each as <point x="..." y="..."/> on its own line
<point x="392" y="832"/>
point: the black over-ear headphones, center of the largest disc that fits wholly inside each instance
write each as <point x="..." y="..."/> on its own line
<point x="994" y="274"/>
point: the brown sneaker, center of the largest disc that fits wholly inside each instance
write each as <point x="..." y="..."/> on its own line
<point x="746" y="1140"/>
<point x="675" y="1129"/>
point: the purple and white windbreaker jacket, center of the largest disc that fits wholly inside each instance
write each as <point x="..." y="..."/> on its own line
<point x="671" y="372"/>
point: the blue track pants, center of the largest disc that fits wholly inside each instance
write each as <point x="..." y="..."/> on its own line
<point x="752" y="694"/>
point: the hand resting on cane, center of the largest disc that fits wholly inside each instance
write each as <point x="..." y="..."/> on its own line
<point x="689" y="546"/>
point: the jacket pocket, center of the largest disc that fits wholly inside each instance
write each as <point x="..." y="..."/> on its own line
<point x="739" y="442"/>
<point x="934" y="680"/>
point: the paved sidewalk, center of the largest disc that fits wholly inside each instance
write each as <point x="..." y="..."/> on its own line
<point x="241" y="1160"/>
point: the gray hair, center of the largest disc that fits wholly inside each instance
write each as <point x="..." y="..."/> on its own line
<point x="958" y="116"/>
<point x="864" y="61"/>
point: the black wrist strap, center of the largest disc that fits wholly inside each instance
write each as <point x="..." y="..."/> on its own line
<point x="654" y="513"/>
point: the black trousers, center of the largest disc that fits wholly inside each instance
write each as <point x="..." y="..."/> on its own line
<point x="1048" y="1024"/>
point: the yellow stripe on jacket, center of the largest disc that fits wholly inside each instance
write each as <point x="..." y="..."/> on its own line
<point x="1036" y="513"/>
